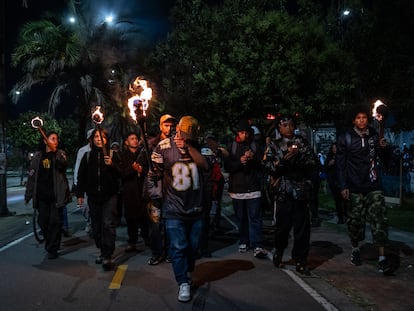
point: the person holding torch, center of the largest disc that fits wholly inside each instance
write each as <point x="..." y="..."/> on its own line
<point x="359" y="152"/>
<point x="98" y="178"/>
<point x="48" y="186"/>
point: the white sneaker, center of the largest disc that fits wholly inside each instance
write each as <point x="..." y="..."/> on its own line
<point x="184" y="294"/>
<point x="242" y="248"/>
<point x="88" y="228"/>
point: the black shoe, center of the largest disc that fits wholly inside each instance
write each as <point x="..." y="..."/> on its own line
<point x="99" y="260"/>
<point x="302" y="269"/>
<point x="277" y="260"/>
<point x="131" y="248"/>
<point x="153" y="261"/>
<point x="66" y="233"/>
<point x="384" y="267"/>
<point x="356" y="258"/>
<point x="52" y="255"/>
<point x="168" y="259"/>
<point x="108" y="265"/>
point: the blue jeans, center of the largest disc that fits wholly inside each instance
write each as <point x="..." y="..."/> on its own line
<point x="249" y="216"/>
<point x="184" y="237"/>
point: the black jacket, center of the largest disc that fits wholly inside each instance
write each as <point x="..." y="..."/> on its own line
<point x="354" y="161"/>
<point x="98" y="180"/>
<point x="244" y="178"/>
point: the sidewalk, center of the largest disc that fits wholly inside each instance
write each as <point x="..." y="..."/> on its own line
<point x="343" y="285"/>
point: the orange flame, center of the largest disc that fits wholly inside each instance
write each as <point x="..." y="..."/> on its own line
<point x="375" y="114"/>
<point x="141" y="99"/>
<point x="97" y="115"/>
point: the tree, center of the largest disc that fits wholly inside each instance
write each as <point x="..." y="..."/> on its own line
<point x="87" y="64"/>
<point x="220" y="65"/>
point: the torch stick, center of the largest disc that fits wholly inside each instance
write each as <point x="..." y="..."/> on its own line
<point x="97" y="118"/>
<point x="142" y="127"/>
<point x="37" y="123"/>
<point x="378" y="112"/>
<point x="141" y="102"/>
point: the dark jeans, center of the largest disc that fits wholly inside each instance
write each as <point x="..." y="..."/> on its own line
<point x="104" y="219"/>
<point x="50" y="220"/>
<point x="184" y="237"/>
<point x="249" y="216"/>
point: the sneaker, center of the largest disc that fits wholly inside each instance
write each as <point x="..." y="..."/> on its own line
<point x="52" y="255"/>
<point x="153" y="261"/>
<point x="277" y="260"/>
<point x="356" y="258"/>
<point x="168" y="259"/>
<point x="260" y="253"/>
<point x="383" y="266"/>
<point x="302" y="269"/>
<point x="99" y="260"/>
<point x="88" y="228"/>
<point x="243" y="248"/>
<point x="184" y="293"/>
<point x="108" y="265"/>
<point x="66" y="233"/>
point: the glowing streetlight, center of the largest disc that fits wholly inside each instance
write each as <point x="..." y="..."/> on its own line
<point x="346" y="12"/>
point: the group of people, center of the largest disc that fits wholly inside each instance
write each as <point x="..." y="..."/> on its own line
<point x="169" y="186"/>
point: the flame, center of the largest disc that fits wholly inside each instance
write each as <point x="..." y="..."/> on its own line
<point x="375" y="114"/>
<point x="141" y="99"/>
<point x="97" y="115"/>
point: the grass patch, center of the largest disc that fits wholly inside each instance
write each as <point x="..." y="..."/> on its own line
<point x="400" y="217"/>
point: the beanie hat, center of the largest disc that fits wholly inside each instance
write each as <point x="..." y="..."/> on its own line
<point x="189" y="127"/>
<point x="244" y="125"/>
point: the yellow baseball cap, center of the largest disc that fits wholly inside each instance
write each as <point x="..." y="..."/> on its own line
<point x="167" y="117"/>
<point x="189" y="127"/>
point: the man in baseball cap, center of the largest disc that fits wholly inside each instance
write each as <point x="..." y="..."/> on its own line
<point x="189" y="128"/>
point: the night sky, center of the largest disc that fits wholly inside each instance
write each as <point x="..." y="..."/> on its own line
<point x="152" y="16"/>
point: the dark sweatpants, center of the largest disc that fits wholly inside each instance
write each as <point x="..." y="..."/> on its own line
<point x="293" y="213"/>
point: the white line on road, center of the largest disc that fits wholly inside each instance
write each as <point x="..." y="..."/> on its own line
<point x="314" y="294"/>
<point x="15" y="242"/>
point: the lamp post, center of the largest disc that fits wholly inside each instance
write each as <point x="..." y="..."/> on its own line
<point x="3" y="163"/>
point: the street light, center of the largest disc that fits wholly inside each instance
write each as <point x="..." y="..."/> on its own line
<point x="346" y="12"/>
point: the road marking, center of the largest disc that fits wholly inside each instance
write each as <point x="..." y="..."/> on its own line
<point x="15" y="242"/>
<point x="118" y="277"/>
<point x="314" y="294"/>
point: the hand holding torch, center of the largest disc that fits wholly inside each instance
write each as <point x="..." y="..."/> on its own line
<point x="37" y="123"/>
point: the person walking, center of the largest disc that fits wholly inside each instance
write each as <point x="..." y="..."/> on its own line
<point x="181" y="165"/>
<point x="98" y="178"/>
<point x="133" y="171"/>
<point x="47" y="185"/>
<point x="359" y="152"/>
<point x="158" y="238"/>
<point x="81" y="152"/>
<point x="245" y="188"/>
<point x="290" y="162"/>
<point x="332" y="180"/>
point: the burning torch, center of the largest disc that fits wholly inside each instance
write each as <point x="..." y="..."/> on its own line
<point x="37" y="123"/>
<point x="140" y="103"/>
<point x="97" y="119"/>
<point x="378" y="113"/>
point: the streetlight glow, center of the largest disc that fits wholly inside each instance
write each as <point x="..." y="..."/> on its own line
<point x="72" y="20"/>
<point x="346" y="12"/>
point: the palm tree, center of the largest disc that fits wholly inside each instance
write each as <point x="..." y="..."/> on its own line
<point x="82" y="60"/>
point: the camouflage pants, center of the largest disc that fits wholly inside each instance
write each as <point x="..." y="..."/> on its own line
<point x="368" y="208"/>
